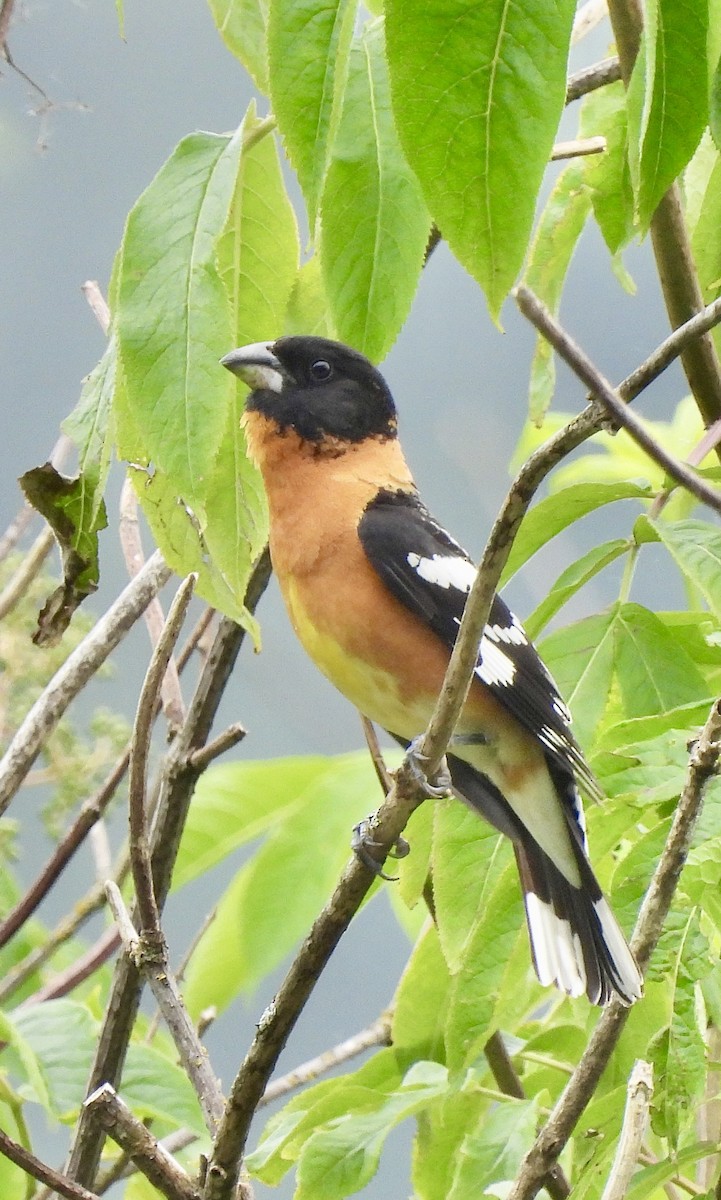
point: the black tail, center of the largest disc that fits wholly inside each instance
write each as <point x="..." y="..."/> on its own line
<point x="576" y="941"/>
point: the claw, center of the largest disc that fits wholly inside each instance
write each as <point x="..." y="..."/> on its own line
<point x="363" y="843"/>
<point x="441" y="785"/>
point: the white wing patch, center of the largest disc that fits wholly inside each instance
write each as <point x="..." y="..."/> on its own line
<point x="496" y="668"/>
<point x="444" y="570"/>
<point x="513" y="634"/>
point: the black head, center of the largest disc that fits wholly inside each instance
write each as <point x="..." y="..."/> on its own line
<point x="315" y="387"/>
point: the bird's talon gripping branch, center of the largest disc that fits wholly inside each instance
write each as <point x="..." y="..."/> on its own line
<point x="441" y="785"/>
<point x="363" y="844"/>
<point x="376" y="590"/>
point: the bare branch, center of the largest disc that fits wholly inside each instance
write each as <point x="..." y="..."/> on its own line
<point x="152" y="962"/>
<point x="132" y="547"/>
<point x="26" y="572"/>
<point x="590" y="78"/>
<point x="40" y="1170"/>
<point x="657" y="902"/>
<point x="140" y="747"/>
<point x="385" y="778"/>
<point x="91" y="811"/>
<point x="578" y="148"/>
<point x="230" y="737"/>
<point x="639" y="1094"/>
<point x="377" y="1034"/>
<point x="79" y="970"/>
<point x="158" y="1166"/>
<point x="75" y="672"/>
<point x="179" y="781"/>
<point x="581" y="365"/>
<point x="671" y="243"/>
<point x="588" y="16"/>
<point x="98" y="304"/>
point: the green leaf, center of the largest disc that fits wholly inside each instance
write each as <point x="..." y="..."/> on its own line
<point x="421" y="1000"/>
<point x="649" y="1181"/>
<point x="173" y="317"/>
<point x="339" y="1160"/>
<point x="76" y="522"/>
<point x="653" y="670"/>
<point x="287" y="1132"/>
<point x="556" y="512"/>
<point x="561" y="225"/>
<point x="715" y="105"/>
<point x="679" y="1054"/>
<point x="467" y="859"/>
<point x="607" y="175"/>
<point x="13" y="1180"/>
<point x="478" y="90"/>
<point x="580" y="658"/>
<point x="308" y="307"/>
<point x="62" y="1034"/>
<point x="308" y="46"/>
<point x="667" y="98"/>
<point x="242" y="26"/>
<point x="441" y="1130"/>
<point x="237" y="801"/>
<point x="572" y="580"/>
<point x="472" y="1013"/>
<point x="492" y="1153"/>
<point x="89" y="426"/>
<point x="696" y="548"/>
<point x="374" y="223"/>
<point x="254" y="926"/>
<point x="706" y="237"/>
<point x="414" y="870"/>
<point x="158" y="1088"/>
<point x="177" y="530"/>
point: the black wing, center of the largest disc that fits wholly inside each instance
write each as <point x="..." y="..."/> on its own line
<point x="427" y="570"/>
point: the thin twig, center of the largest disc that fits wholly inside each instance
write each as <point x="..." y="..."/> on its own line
<point x="654" y="910"/>
<point x="200" y="759"/>
<point x="671" y="242"/>
<point x="79" y="970"/>
<point x="385" y="778"/>
<point x="89" y="814"/>
<point x="30" y="566"/>
<point x="587" y="18"/>
<point x="132" y="547"/>
<point x="140" y="748"/>
<point x="98" y="304"/>
<point x="152" y="962"/>
<point x="377" y="1034"/>
<point x="590" y="78"/>
<point x="598" y="385"/>
<point x="639" y="1093"/>
<point x="578" y="148"/>
<point x="106" y="1108"/>
<point x="179" y="781"/>
<point x="40" y="1170"/>
<point x="75" y="672"/>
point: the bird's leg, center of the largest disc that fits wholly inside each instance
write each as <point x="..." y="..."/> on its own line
<point x="441" y="785"/>
<point x="363" y="843"/>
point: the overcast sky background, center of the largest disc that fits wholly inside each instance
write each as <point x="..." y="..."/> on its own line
<point x="68" y="178"/>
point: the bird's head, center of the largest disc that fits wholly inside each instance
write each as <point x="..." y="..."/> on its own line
<point x="321" y="390"/>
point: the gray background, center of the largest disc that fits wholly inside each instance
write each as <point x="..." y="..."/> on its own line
<point x="69" y="175"/>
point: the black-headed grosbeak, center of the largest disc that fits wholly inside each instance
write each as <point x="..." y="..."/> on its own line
<point x="375" y="589"/>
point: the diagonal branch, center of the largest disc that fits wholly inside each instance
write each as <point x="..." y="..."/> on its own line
<point x="654" y="910"/>
<point x="598" y="385"/>
<point x="39" y="1170"/>
<point x="75" y="672"/>
<point x="671" y="244"/>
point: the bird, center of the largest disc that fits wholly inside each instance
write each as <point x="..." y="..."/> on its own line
<point x="375" y="590"/>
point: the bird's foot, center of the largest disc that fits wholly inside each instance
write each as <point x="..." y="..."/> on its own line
<point x="363" y="844"/>
<point x="441" y="784"/>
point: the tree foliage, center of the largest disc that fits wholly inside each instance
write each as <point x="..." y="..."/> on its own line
<point x="405" y="122"/>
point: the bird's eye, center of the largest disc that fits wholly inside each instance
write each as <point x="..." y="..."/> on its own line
<point x="320" y="370"/>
